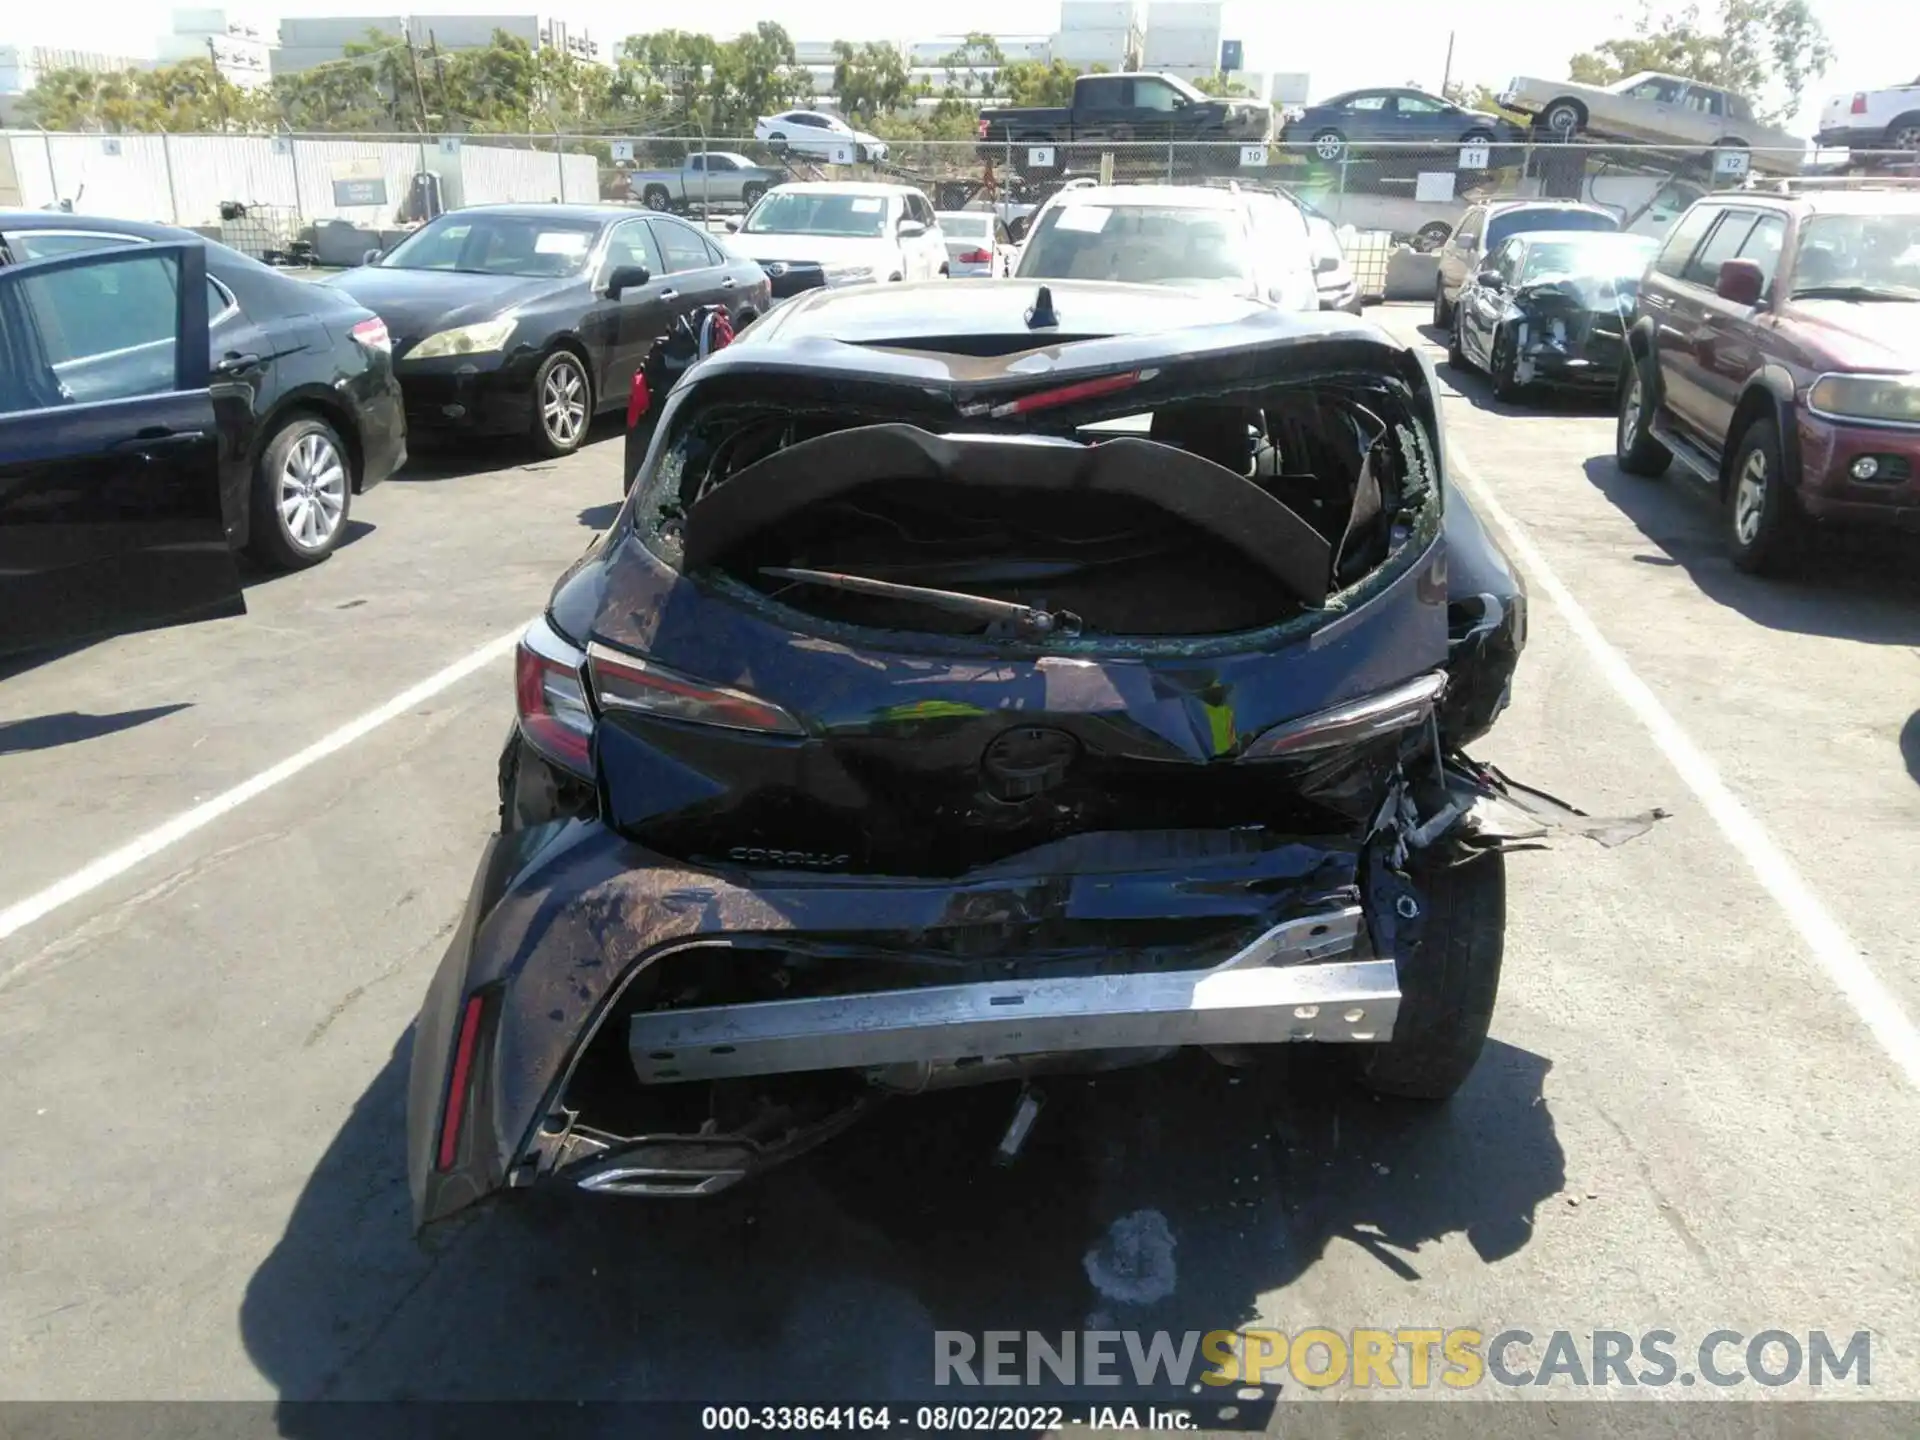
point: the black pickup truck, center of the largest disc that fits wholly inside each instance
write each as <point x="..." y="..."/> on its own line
<point x="1122" y="109"/>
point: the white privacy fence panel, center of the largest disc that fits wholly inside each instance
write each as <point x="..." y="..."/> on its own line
<point x="185" y="179"/>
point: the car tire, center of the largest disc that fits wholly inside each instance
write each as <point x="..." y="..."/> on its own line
<point x="655" y="197"/>
<point x="1562" y="120"/>
<point x="1763" y="522"/>
<point x="1503" y="368"/>
<point x="1904" y="133"/>
<point x="1431" y="236"/>
<point x="750" y="195"/>
<point x="1456" y="356"/>
<point x="1442" y="311"/>
<point x="1477" y="137"/>
<point x="302" y="495"/>
<point x="778" y="140"/>
<point x="1447" y="993"/>
<point x="562" y="404"/>
<point x="1329" y="145"/>
<point x="1635" y="450"/>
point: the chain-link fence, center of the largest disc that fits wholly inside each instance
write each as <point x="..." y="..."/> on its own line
<point x="343" y="193"/>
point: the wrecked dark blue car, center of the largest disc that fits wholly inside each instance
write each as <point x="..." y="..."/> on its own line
<point x="980" y="682"/>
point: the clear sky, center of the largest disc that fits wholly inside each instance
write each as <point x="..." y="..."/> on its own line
<point x="1361" y="42"/>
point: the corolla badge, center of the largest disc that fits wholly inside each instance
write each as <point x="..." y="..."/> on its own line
<point x="757" y="855"/>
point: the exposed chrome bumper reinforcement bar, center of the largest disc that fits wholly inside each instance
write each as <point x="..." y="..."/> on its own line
<point x="1301" y="980"/>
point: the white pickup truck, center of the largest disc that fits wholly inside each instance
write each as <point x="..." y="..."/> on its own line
<point x="1873" y="119"/>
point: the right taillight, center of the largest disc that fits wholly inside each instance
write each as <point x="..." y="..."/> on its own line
<point x="977" y="257"/>
<point x="550" y="694"/>
<point x="1368" y="718"/>
<point x="628" y="682"/>
<point x="1859" y="104"/>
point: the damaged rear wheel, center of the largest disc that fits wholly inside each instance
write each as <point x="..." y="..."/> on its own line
<point x="1447" y="994"/>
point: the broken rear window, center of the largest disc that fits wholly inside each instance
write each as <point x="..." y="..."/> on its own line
<point x="1123" y="505"/>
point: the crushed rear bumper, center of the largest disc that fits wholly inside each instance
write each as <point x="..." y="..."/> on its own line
<point x="1303" y="979"/>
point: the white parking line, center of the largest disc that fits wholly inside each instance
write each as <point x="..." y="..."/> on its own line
<point x="118" y="862"/>
<point x="1832" y="947"/>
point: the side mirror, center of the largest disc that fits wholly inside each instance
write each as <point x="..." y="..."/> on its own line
<point x="1326" y="264"/>
<point x="1489" y="280"/>
<point x="372" y="257"/>
<point x="626" y="277"/>
<point x="911" y="229"/>
<point x="733" y="223"/>
<point x="1740" y="281"/>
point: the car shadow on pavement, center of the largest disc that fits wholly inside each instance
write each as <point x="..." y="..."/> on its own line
<point x="71" y="727"/>
<point x="1167" y="1198"/>
<point x="599" y="517"/>
<point x="456" y="457"/>
<point x="1849" y="585"/>
<point x="254" y="574"/>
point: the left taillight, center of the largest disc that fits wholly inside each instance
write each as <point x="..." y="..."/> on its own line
<point x="976" y="257"/>
<point x="637" y="399"/>
<point x="550" y="693"/>
<point x="453" y="1115"/>
<point x="1357" y="721"/>
<point x="373" y="334"/>
<point x="628" y="682"/>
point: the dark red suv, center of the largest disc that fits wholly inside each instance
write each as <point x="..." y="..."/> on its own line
<point x="1775" y="352"/>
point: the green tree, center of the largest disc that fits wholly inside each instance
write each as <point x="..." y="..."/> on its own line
<point x="1028" y="83"/>
<point x="870" y="81"/>
<point x="757" y="73"/>
<point x="1755" y="48"/>
<point x="1219" y="84"/>
<point x="973" y="66"/>
<point x="188" y="96"/>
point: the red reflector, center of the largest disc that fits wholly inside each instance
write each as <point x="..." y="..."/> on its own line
<point x="637" y="399"/>
<point x="976" y="257"/>
<point x="1860" y="104"/>
<point x="373" y="334"/>
<point x="456" y="1111"/>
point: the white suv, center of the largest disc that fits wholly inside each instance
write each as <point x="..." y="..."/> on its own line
<point x="856" y="233"/>
<point x="1250" y="243"/>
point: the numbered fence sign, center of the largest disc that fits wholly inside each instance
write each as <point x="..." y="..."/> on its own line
<point x="622" y="150"/>
<point x="1474" y="157"/>
<point x="1040" y="156"/>
<point x="449" y="144"/>
<point x="1253" y="155"/>
<point x="1729" y="162"/>
<point x="841" y="154"/>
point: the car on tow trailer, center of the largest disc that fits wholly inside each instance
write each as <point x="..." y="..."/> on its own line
<point x="979" y="682"/>
<point x="1775" y="353"/>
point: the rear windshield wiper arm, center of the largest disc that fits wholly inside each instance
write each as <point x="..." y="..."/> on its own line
<point x="1004" y="618"/>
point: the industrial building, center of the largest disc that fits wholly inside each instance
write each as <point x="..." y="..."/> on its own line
<point x="310" y="40"/>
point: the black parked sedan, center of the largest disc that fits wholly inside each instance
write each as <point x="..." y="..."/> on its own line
<point x="302" y="377"/>
<point x="1551" y="308"/>
<point x="532" y="319"/>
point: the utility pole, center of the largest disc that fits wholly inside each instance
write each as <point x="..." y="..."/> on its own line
<point x="440" y="79"/>
<point x="1447" y="75"/>
<point x="413" y="63"/>
<point x="219" y="89"/>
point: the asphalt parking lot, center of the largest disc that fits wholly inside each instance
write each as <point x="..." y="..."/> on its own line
<point x="1697" y="1112"/>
